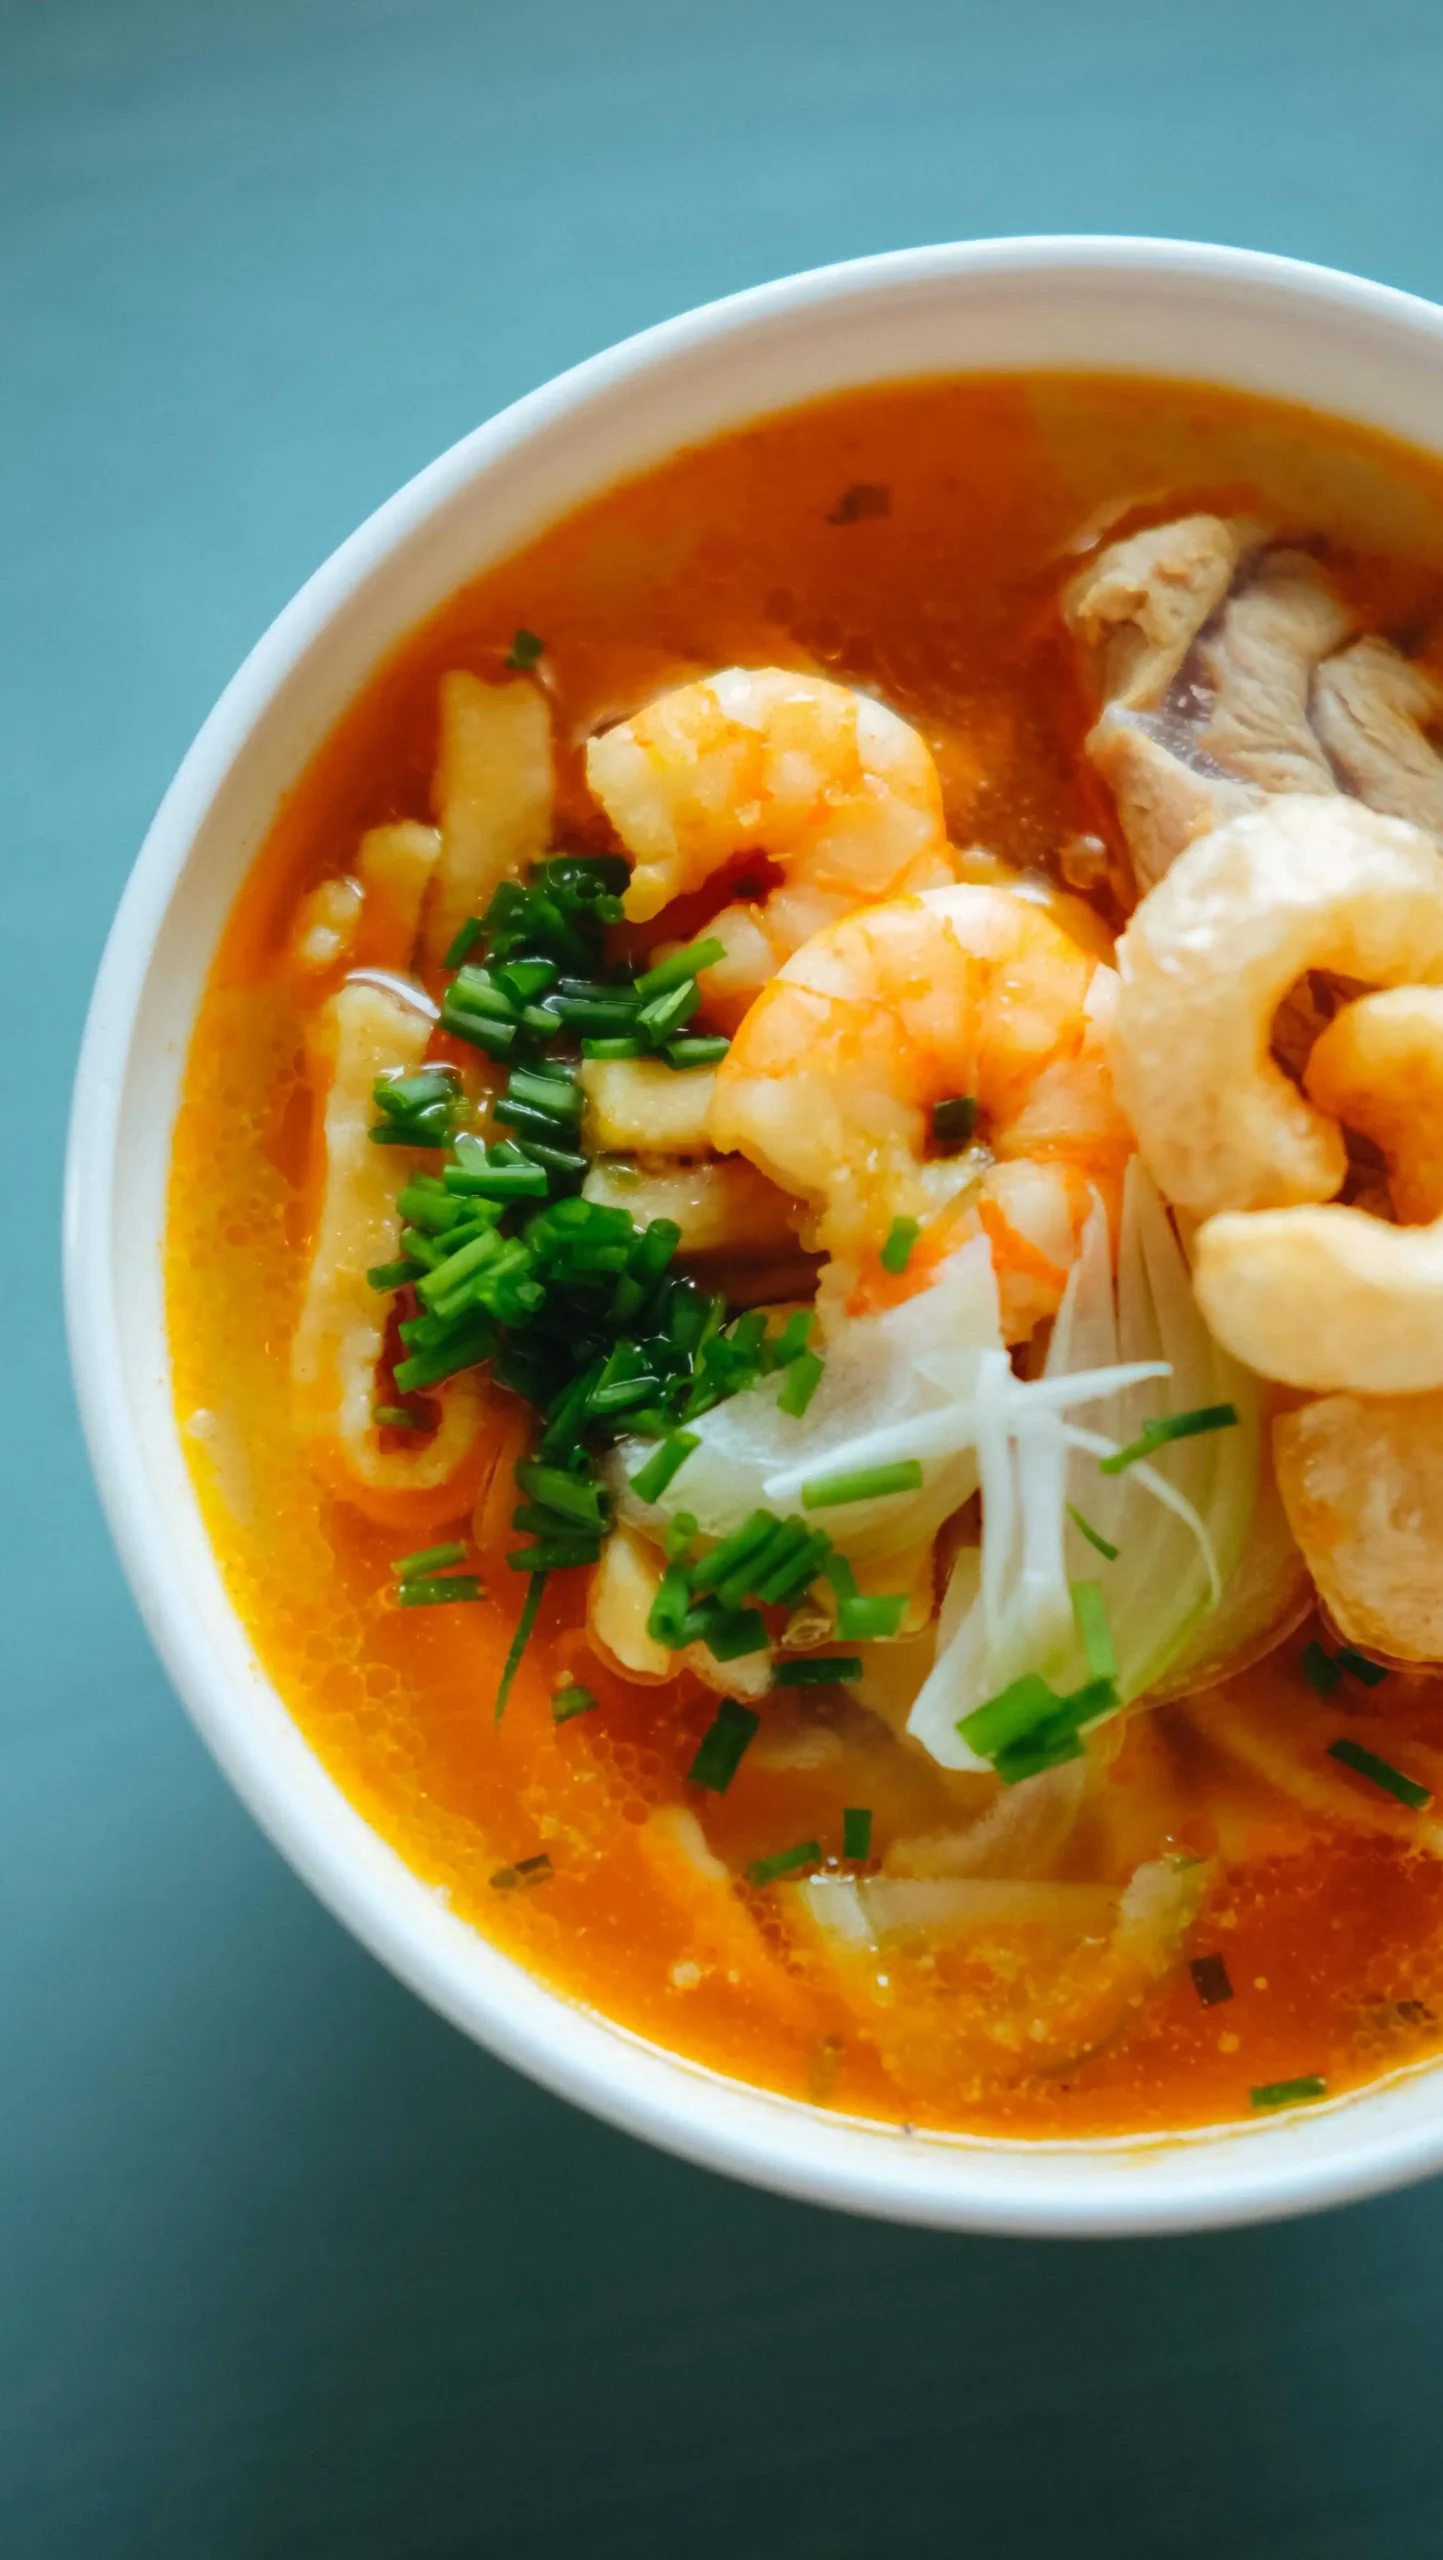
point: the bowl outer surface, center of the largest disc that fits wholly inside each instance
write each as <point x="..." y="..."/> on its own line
<point x="1361" y="351"/>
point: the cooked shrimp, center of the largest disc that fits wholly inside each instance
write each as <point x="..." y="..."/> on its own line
<point x="968" y="991"/>
<point x="834" y="788"/>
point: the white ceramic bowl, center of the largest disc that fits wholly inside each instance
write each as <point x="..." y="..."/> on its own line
<point x="1263" y="323"/>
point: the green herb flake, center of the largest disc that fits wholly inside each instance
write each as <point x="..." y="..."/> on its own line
<point x="1320" y="1670"/>
<point x="862" y="1484"/>
<point x="897" y="1251"/>
<point x="784" y="1862"/>
<point x="526" y="1871"/>
<point x="954" y="1122"/>
<point x="1380" y="1773"/>
<point x="812" y="1670"/>
<point x="1290" y="2093"/>
<point x="857" y="1833"/>
<point x="1358" y="1667"/>
<point x="397" y="1417"/>
<point x="1211" y="1980"/>
<point x="1094" y="1537"/>
<point x="723" y="1747"/>
<point x="574" y="1700"/>
<point x="525" y="651"/>
<point x="1167" y="1427"/>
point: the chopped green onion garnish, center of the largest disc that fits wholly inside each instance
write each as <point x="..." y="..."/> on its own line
<point x="811" y="1671"/>
<point x="697" y="1049"/>
<point x="1358" y="1667"/>
<point x="1015" y="1711"/>
<point x="723" y="1746"/>
<point x="665" y="1014"/>
<point x="1034" y="1753"/>
<point x="1090" y="1611"/>
<point x="954" y="1122"/>
<point x="1380" y="1773"/>
<point x="465" y="939"/>
<point x="1289" y="2093"/>
<point x="393" y="1275"/>
<point x="573" y="1497"/>
<point x="1171" y="1426"/>
<point x="574" y="1700"/>
<point x="1211" y="1980"/>
<point x="866" y="1620"/>
<point x="683" y="966"/>
<point x="856" y="1832"/>
<point x="530" y="1608"/>
<point x="624" y="1046"/>
<point x="430" y="1591"/>
<point x="680" y="1534"/>
<point x="727" y="1633"/>
<point x="862" y="1484"/>
<point x="1320" y="1670"/>
<point x="804" y="1376"/>
<point x="901" y="1236"/>
<point x="397" y="1417"/>
<point x="784" y="1862"/>
<point x="524" y="651"/>
<point x="556" y="1555"/>
<point x="1093" y="1536"/>
<point x="429" y="1560"/>
<point x="651" y="1480"/>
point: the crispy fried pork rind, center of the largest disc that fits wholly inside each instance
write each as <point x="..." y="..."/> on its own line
<point x="1362" y="1478"/>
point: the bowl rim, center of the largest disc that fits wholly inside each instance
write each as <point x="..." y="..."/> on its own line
<point x="1190" y="2181"/>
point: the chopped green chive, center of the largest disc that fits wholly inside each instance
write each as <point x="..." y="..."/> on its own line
<point x="804" y="1376"/>
<point x="623" y="1046"/>
<point x="1320" y="1670"/>
<point x="862" y="1484"/>
<point x="651" y="1480"/>
<point x="723" y="1747"/>
<point x="530" y="1610"/>
<point x="397" y="1417"/>
<point x="574" y="1700"/>
<point x="433" y="1592"/>
<point x="524" y="651"/>
<point x="901" y="1236"/>
<point x="811" y="1671"/>
<point x="681" y="969"/>
<point x="697" y="1049"/>
<point x="464" y="940"/>
<point x="680" y="1534"/>
<point x="1014" y="1712"/>
<point x="1289" y="2093"/>
<point x="954" y="1122"/>
<point x="871" y="1619"/>
<point x="1358" y="1667"/>
<point x="861" y="1620"/>
<point x="1380" y="1773"/>
<point x="1090" y="1611"/>
<point x="428" y="1560"/>
<point x="1093" y="1536"/>
<point x="392" y="1275"/>
<point x="1211" y="1980"/>
<point x="792" y="1341"/>
<point x="1171" y="1426"/>
<point x="857" y="1833"/>
<point x="784" y="1862"/>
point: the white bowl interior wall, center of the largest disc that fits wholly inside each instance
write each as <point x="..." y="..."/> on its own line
<point x="1302" y="333"/>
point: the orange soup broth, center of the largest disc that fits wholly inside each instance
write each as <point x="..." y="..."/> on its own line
<point x="936" y="586"/>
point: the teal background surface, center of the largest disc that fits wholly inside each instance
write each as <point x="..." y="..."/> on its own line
<point x="288" y="2271"/>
